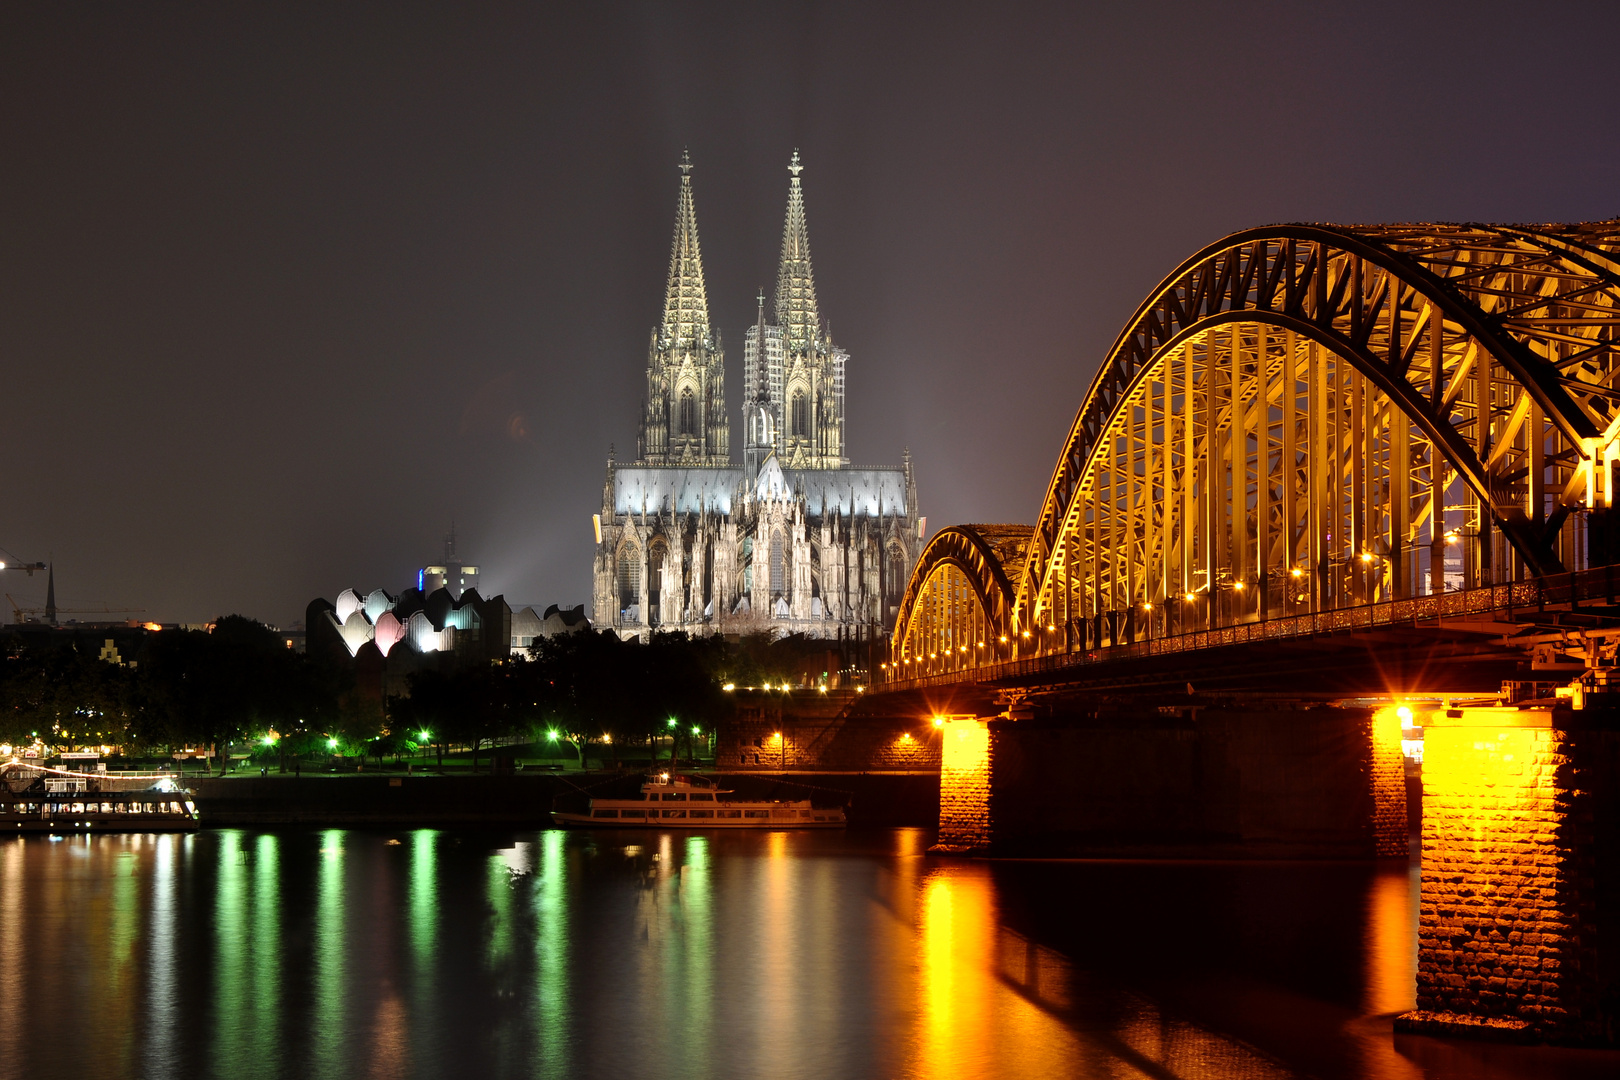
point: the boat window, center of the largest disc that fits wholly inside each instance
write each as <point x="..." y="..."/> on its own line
<point x="700" y="813"/>
<point x="675" y="797"/>
<point x="702" y="798"/>
<point x="632" y="813"/>
<point x="674" y="813"/>
<point x="730" y="813"/>
<point x="756" y="813"/>
<point x="605" y="813"/>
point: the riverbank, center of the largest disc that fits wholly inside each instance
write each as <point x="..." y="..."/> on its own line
<point x="524" y="800"/>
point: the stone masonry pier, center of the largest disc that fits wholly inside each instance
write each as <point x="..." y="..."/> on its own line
<point x="1517" y="933"/>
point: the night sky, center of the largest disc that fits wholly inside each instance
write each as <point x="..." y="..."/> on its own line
<point x="284" y="290"/>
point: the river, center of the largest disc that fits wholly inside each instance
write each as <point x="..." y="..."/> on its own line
<point x="427" y="953"/>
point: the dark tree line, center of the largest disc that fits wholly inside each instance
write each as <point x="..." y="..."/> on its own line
<point x="238" y="683"/>
<point x="175" y="689"/>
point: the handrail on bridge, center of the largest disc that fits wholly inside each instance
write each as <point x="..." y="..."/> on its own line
<point x="1598" y="583"/>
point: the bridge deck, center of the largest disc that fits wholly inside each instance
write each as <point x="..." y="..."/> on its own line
<point x="1455" y="630"/>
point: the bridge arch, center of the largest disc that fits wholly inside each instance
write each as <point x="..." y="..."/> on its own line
<point x="1309" y="417"/>
<point x="1304" y="417"/>
<point x="958" y="605"/>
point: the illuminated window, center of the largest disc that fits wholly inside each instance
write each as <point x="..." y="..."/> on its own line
<point x="778" y="564"/>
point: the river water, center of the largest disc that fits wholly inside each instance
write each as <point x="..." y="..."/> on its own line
<point x="620" y="954"/>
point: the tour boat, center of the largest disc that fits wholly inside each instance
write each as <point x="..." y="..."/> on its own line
<point x="694" y="802"/>
<point x="34" y="798"/>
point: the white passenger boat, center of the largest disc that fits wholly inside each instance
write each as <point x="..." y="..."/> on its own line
<point x="34" y="798"/>
<point x="694" y="802"/>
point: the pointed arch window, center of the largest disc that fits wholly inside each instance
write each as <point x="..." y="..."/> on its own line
<point x="629" y="577"/>
<point x="778" y="564"/>
<point x="688" y="412"/>
<point x="801" y="414"/>
<point x="897" y="576"/>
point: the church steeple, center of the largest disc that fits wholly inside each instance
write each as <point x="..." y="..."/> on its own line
<point x="684" y="421"/>
<point x="796" y="311"/>
<point x="686" y="301"/>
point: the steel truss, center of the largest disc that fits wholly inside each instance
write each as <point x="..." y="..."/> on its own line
<point x="956" y="613"/>
<point x="1306" y="418"/>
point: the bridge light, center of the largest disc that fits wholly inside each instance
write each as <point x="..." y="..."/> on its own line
<point x="980" y="645"/>
<point x="1297" y="572"/>
<point x="1026" y="633"/>
<point x="1004" y="639"/>
<point x="1238" y="585"/>
<point x="939" y="721"/>
<point x="1405" y="713"/>
<point x="1147" y="605"/>
<point x="729" y="687"/>
<point x="1366" y="556"/>
<point x="1451" y="537"/>
<point x="1189" y="598"/>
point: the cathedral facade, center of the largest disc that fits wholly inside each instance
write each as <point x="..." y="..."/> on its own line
<point x="792" y="540"/>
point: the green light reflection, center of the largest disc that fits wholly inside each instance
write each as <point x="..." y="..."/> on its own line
<point x="697" y="905"/>
<point x="266" y="949"/>
<point x="553" y="1019"/>
<point x="330" y="1018"/>
<point x="230" y="1000"/>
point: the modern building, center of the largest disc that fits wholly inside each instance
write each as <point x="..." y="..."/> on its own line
<point x="451" y="574"/>
<point x="793" y="540"/>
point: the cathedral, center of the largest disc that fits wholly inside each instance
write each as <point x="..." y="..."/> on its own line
<point x="793" y="540"/>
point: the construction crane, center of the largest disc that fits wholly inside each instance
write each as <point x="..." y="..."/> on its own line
<point x="18" y="611"/>
<point x="50" y="610"/>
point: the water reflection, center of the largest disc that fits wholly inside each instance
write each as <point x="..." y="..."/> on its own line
<point x="548" y="954"/>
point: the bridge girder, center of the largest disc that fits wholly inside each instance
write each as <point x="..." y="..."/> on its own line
<point x="1304" y="417"/>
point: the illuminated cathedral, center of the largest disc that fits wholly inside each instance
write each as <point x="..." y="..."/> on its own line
<point x="793" y="540"/>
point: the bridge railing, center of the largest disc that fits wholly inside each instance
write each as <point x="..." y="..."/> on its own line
<point x="1559" y="590"/>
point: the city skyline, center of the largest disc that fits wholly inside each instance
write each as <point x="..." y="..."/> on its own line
<point x="287" y="293"/>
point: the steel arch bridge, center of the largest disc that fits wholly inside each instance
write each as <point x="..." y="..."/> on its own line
<point x="1306" y="418"/>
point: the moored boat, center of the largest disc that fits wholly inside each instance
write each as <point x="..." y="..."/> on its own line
<point x="695" y="802"/>
<point x="35" y="798"/>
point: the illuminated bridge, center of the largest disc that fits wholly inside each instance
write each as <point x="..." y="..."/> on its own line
<point x="1394" y="443"/>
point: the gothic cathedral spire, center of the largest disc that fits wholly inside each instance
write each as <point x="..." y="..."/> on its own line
<point x="796" y="311"/>
<point x="686" y="302"/>
<point x="806" y="370"/>
<point x="684" y="421"/>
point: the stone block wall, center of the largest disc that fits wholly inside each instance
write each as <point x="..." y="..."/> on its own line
<point x="1388" y="769"/>
<point x="1516" y="926"/>
<point x="964" y="785"/>
<point x="827" y="744"/>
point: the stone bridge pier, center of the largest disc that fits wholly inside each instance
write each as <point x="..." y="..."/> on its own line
<point x="1518" y="934"/>
<point x="1291" y="781"/>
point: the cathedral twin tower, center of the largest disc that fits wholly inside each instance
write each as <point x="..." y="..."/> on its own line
<point x="793" y="375"/>
<point x="794" y="540"/>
